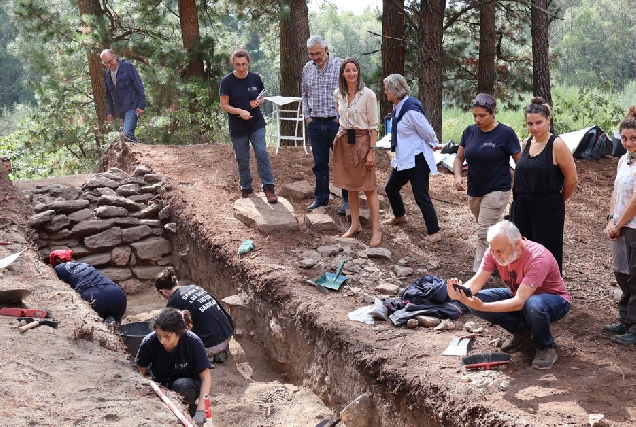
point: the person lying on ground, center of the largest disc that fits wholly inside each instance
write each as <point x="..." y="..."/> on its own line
<point x="535" y="296"/>
<point x="210" y="321"/>
<point x="103" y="295"/>
<point x="175" y="357"/>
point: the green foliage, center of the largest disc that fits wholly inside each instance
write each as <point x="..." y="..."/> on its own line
<point x="580" y="107"/>
<point x="455" y="120"/>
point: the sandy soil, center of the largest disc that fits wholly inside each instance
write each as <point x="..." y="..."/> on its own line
<point x="80" y="381"/>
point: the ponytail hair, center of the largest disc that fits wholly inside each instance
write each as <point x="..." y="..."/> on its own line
<point x="173" y="320"/>
<point x="538" y="106"/>
<point x="167" y="279"/>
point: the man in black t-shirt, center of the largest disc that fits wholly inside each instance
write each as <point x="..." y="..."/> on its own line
<point x="210" y="321"/>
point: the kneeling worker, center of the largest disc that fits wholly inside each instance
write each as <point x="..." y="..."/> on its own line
<point x="104" y="295"/>
<point x="210" y="321"/>
<point x="535" y="296"/>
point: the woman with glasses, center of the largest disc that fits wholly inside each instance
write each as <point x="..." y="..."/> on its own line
<point x="545" y="177"/>
<point x="354" y="146"/>
<point x="487" y="147"/>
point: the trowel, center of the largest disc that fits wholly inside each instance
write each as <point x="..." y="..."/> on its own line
<point x="330" y="280"/>
<point x="6" y="261"/>
<point x="460" y="346"/>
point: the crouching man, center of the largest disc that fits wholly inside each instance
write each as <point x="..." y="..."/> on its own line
<point x="535" y="296"/>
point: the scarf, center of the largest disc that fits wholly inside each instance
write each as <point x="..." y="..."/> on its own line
<point x="409" y="104"/>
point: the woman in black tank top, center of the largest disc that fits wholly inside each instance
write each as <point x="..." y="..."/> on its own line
<point x="545" y="177"/>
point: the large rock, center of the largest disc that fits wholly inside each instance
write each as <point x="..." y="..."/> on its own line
<point x="266" y="217"/>
<point x="150" y="212"/>
<point x="100" y="181"/>
<point x="118" y="201"/>
<point x="93" y="259"/>
<point x="41" y="218"/>
<point x="57" y="223"/>
<point x="297" y="190"/>
<point x="91" y="226"/>
<point x="68" y="206"/>
<point x="120" y="255"/>
<point x="127" y="190"/>
<point x="152" y="249"/>
<point x="136" y="233"/>
<point x="81" y="215"/>
<point x="320" y="223"/>
<point x="110" y="212"/>
<point x="147" y="272"/>
<point x="105" y="239"/>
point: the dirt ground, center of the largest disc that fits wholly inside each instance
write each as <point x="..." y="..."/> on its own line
<point x="50" y="378"/>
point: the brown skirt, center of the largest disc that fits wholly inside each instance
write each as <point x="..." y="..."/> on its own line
<point x="349" y="162"/>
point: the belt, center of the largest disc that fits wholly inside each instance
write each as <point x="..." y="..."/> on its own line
<point x="323" y="118"/>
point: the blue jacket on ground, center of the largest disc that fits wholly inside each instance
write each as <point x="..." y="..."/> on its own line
<point x="129" y="93"/>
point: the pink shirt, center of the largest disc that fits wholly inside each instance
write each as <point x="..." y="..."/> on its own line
<point x="536" y="267"/>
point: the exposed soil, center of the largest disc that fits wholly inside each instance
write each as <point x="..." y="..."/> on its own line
<point x="50" y="378"/>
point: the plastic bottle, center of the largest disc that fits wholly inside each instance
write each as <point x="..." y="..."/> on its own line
<point x="208" y="411"/>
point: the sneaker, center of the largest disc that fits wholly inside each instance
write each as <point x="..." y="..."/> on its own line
<point x="544" y="359"/>
<point x="516" y="341"/>
<point x="627" y="338"/>
<point x="342" y="210"/>
<point x="246" y="194"/>
<point x="616" y="329"/>
<point x="271" y="195"/>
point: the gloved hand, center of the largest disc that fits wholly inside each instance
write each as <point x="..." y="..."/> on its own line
<point x="199" y="417"/>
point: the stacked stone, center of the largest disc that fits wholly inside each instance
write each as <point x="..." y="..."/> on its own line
<point x="115" y="222"/>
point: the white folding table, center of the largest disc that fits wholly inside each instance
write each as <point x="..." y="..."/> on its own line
<point x="283" y="113"/>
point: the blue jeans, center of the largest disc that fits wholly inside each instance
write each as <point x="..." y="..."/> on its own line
<point x="419" y="178"/>
<point x="130" y="123"/>
<point x="536" y="315"/>
<point x="322" y="132"/>
<point x="241" y="145"/>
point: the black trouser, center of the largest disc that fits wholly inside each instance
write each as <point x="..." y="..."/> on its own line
<point x="418" y="176"/>
<point x="541" y="219"/>
<point x="627" y="282"/>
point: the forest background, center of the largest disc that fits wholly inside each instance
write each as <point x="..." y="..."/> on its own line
<point x="580" y="55"/>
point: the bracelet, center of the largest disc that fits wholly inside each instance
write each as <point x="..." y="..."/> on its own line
<point x="610" y="216"/>
<point x="372" y="148"/>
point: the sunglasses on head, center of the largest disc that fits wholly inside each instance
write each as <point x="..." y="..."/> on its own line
<point x="476" y="103"/>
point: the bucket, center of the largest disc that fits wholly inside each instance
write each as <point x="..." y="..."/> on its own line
<point x="132" y="334"/>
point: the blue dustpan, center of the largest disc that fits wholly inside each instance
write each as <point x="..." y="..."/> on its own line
<point x="332" y="281"/>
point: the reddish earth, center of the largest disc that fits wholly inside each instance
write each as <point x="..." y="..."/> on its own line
<point x="307" y="334"/>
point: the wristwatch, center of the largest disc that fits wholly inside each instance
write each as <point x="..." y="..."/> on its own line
<point x="610" y="216"/>
<point x="372" y="148"/>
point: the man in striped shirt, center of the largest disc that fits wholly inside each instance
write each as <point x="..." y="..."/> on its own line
<point x="320" y="79"/>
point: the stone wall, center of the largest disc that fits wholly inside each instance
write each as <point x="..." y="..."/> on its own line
<point x="115" y="222"/>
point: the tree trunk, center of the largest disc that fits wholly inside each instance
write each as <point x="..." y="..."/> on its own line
<point x="430" y="36"/>
<point x="95" y="69"/>
<point x="294" y="32"/>
<point x="540" y="51"/>
<point x="189" y="21"/>
<point x="487" y="49"/>
<point x="392" y="46"/>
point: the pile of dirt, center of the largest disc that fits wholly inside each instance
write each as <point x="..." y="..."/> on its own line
<point x="403" y="367"/>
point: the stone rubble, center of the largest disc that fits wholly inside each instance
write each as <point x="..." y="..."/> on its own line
<point x="115" y="222"/>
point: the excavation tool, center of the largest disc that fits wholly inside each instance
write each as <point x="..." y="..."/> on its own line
<point x="460" y="346"/>
<point x="34" y="323"/>
<point x="170" y="405"/>
<point x="332" y="281"/>
<point x="485" y="361"/>
<point x="25" y="312"/>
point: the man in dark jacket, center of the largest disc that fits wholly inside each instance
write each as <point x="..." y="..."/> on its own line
<point x="124" y="92"/>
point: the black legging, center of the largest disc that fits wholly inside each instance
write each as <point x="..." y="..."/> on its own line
<point x="108" y="300"/>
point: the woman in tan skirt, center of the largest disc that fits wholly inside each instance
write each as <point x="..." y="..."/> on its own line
<point x="354" y="146"/>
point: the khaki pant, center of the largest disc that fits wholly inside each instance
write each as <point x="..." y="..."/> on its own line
<point x="487" y="211"/>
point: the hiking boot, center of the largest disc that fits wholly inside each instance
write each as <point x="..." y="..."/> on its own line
<point x="246" y="194"/>
<point x="616" y="329"/>
<point x="627" y="338"/>
<point x="544" y="359"/>
<point x="516" y="341"/>
<point x="271" y="195"/>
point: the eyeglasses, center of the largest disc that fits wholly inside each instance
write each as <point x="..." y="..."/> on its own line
<point x="110" y="61"/>
<point x="313" y="55"/>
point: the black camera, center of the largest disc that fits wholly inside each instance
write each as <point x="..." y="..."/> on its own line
<point x="464" y="289"/>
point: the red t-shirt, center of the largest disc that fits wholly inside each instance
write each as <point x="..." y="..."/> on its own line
<point x="536" y="267"/>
